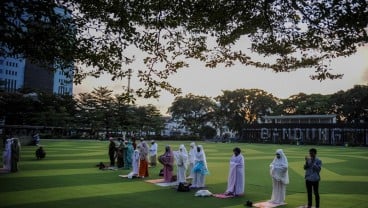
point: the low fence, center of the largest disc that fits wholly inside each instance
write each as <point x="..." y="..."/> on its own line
<point x="321" y="134"/>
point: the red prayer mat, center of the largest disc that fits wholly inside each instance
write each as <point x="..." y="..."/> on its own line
<point x="266" y="204"/>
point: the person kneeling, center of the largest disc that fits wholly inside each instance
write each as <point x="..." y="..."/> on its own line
<point x="40" y="153"/>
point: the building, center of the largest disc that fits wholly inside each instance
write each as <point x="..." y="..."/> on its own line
<point x="11" y="73"/>
<point x="19" y="73"/>
<point x="299" y="119"/>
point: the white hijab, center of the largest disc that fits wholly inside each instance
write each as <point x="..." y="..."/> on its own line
<point x="192" y="152"/>
<point x="277" y="165"/>
<point x="182" y="155"/>
<point x="201" y="155"/>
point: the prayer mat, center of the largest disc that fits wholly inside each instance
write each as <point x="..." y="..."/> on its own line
<point x="223" y="196"/>
<point x="154" y="181"/>
<point x="267" y="204"/>
<point x="124" y="176"/>
<point x="163" y="184"/>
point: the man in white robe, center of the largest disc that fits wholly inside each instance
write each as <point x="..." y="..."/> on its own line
<point x="191" y="158"/>
<point x="280" y="177"/>
<point x="181" y="158"/>
<point x="236" y="182"/>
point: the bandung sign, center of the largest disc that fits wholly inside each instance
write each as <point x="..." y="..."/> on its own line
<point x="307" y="133"/>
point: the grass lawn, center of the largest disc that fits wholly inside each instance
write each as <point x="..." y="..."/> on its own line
<point x="67" y="177"/>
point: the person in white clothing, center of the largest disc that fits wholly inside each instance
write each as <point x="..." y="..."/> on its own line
<point x="280" y="177"/>
<point x="135" y="164"/>
<point x="191" y="158"/>
<point x="235" y="182"/>
<point x="7" y="156"/>
<point x="200" y="169"/>
<point x="153" y="153"/>
<point x="181" y="158"/>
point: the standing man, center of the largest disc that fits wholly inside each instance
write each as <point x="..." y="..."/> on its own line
<point x="312" y="168"/>
<point x="112" y="152"/>
<point x="153" y="153"/>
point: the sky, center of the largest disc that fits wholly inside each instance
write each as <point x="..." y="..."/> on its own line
<point x="199" y="80"/>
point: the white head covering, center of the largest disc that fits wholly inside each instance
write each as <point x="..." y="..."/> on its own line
<point x="192" y="152"/>
<point x="278" y="166"/>
<point x="201" y="154"/>
<point x="183" y="154"/>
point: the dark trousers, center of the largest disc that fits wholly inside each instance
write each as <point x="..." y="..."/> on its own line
<point x="312" y="185"/>
<point x="112" y="160"/>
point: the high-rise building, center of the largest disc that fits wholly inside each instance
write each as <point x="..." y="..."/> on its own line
<point x="19" y="73"/>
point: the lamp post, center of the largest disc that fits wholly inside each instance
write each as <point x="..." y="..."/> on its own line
<point x="129" y="76"/>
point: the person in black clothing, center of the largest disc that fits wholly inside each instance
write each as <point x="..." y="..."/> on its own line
<point x="112" y="152"/>
<point x="40" y="153"/>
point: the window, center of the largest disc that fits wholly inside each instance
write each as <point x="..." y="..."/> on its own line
<point x="1" y="62"/>
<point x="1" y="71"/>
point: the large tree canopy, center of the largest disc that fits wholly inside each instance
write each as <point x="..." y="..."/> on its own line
<point x="108" y="35"/>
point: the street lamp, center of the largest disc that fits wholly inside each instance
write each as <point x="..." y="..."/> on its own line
<point x="129" y="76"/>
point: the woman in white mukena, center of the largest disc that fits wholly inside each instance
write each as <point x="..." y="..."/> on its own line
<point x="181" y="157"/>
<point x="200" y="169"/>
<point x="280" y="177"/>
<point x="191" y="154"/>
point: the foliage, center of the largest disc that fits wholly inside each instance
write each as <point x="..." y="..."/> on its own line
<point x="192" y="111"/>
<point x="352" y="105"/>
<point x="243" y="106"/>
<point x="108" y="35"/>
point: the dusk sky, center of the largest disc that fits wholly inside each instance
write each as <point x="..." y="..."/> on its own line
<point x="199" y="80"/>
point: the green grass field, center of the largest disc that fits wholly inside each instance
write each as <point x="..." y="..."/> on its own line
<point x="68" y="178"/>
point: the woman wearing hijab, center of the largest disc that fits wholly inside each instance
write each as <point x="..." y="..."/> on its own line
<point x="128" y="158"/>
<point x="182" y="163"/>
<point x="143" y="159"/>
<point x="235" y="181"/>
<point x="200" y="169"/>
<point x="7" y="155"/>
<point x="280" y="177"/>
<point x="192" y="153"/>
<point x="135" y="164"/>
<point x="167" y="159"/>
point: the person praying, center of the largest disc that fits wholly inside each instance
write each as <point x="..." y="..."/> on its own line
<point x="182" y="163"/>
<point x="135" y="164"/>
<point x="153" y="153"/>
<point x="143" y="159"/>
<point x="312" y="167"/>
<point x="200" y="169"/>
<point x="235" y="181"/>
<point x="167" y="160"/>
<point x="280" y="177"/>
<point x="40" y="153"/>
<point x="191" y="158"/>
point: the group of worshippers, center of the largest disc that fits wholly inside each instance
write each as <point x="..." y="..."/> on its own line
<point x="129" y="155"/>
<point x="11" y="155"/>
<point x="193" y="162"/>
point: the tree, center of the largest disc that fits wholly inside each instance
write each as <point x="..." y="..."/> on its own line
<point x="352" y="105"/>
<point x="244" y="106"/>
<point x="192" y="111"/>
<point x="291" y="34"/>
<point x="304" y="104"/>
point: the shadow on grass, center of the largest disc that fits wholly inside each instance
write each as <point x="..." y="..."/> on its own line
<point x="163" y="198"/>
